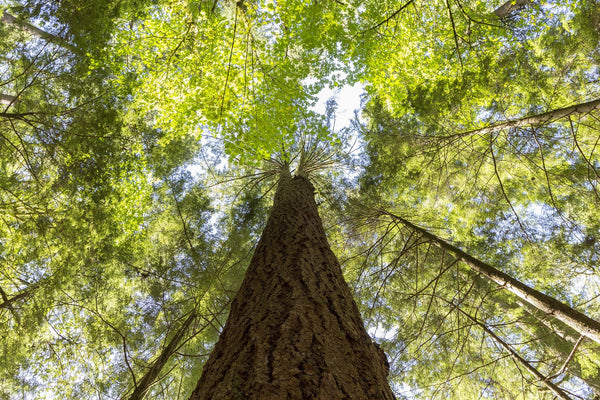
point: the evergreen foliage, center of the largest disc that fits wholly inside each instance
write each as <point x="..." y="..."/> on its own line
<point x="141" y="140"/>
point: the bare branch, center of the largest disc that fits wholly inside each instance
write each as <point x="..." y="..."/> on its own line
<point x="569" y="358"/>
<point x="575" y="319"/>
<point x="553" y="387"/>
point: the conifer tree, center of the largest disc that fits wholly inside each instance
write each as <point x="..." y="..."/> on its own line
<point x="294" y="330"/>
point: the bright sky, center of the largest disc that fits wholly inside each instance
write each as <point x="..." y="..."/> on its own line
<point x="348" y="100"/>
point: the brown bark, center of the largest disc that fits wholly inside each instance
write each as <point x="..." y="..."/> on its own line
<point x="549" y="305"/>
<point x="509" y="7"/>
<point x="294" y="330"/>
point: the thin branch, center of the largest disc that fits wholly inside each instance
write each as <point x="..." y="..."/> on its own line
<point x="185" y="230"/>
<point x="455" y="34"/>
<point x="235" y="23"/>
<point x="504" y="192"/>
<point x="470" y="18"/>
<point x="550" y="193"/>
<point x="568" y="315"/>
<point x="569" y="358"/>
<point x="123" y="339"/>
<point x="388" y="19"/>
<point x="591" y="167"/>
<point x="553" y="387"/>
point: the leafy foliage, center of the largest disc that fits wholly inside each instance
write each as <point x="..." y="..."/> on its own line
<point x="133" y="184"/>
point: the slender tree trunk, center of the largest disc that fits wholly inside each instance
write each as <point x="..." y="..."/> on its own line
<point x="509" y="7"/>
<point x="551" y="325"/>
<point x="7" y="302"/>
<point x="534" y="371"/>
<point x="7" y="99"/>
<point x="534" y="120"/>
<point x="549" y="305"/>
<point x="557" y="341"/>
<point x="294" y="330"/>
<point x="35" y="31"/>
<point x="151" y="375"/>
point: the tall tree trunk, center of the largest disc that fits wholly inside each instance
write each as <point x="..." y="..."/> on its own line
<point x="573" y="318"/>
<point x="35" y="31"/>
<point x="7" y="99"/>
<point x="534" y="120"/>
<point x="509" y="7"/>
<point x="294" y="330"/>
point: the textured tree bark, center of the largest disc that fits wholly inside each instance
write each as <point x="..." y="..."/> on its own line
<point x="294" y="330"/>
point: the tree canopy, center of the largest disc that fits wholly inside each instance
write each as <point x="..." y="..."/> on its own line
<point x="137" y="143"/>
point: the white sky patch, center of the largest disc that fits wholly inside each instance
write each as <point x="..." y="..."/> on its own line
<point x="349" y="104"/>
<point x="348" y="100"/>
<point x="380" y="333"/>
